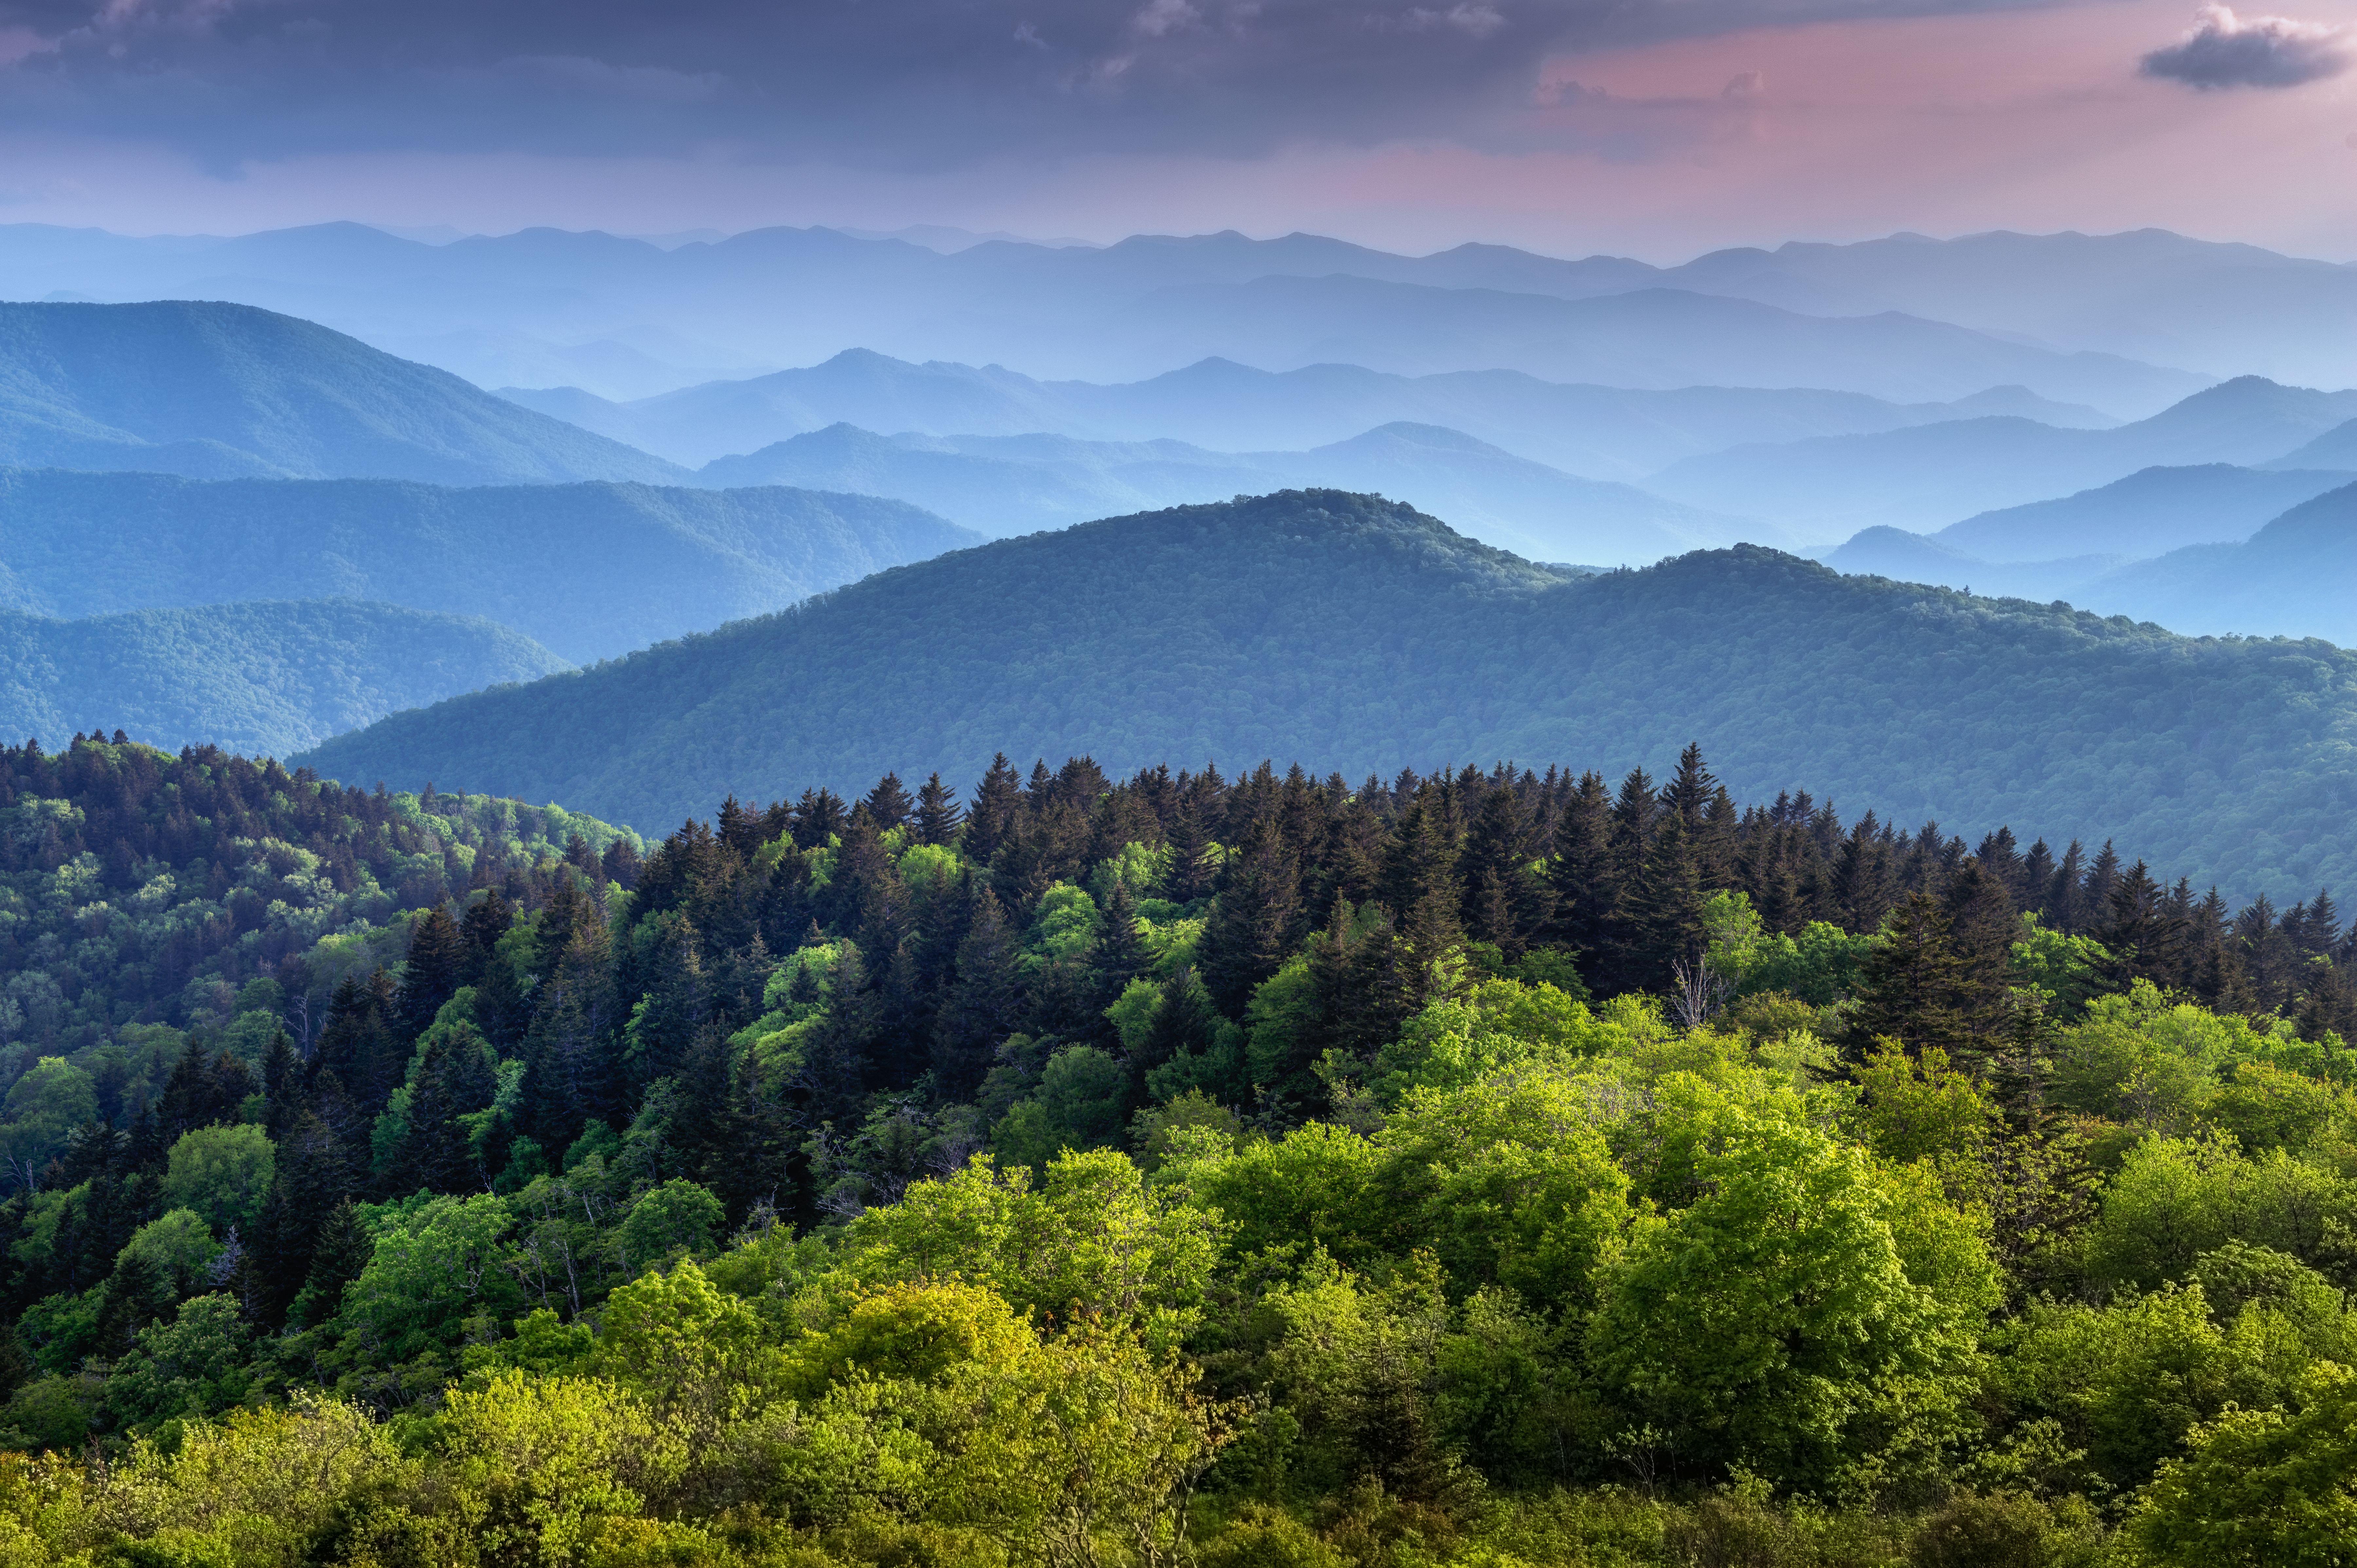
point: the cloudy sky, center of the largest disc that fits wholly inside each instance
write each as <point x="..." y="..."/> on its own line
<point x="1653" y="127"/>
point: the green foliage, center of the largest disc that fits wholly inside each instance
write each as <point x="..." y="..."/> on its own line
<point x="222" y="1175"/>
<point x="2012" y="710"/>
<point x="1081" y="1102"/>
<point x="1780" y="1323"/>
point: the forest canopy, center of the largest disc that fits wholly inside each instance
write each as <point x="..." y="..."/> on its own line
<point x="1361" y="632"/>
<point x="1480" y="1168"/>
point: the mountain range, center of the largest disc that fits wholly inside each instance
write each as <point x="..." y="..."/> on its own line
<point x="265" y="677"/>
<point x="2289" y="578"/>
<point x="1358" y="630"/>
<point x="626" y="317"/>
<point x="1933" y="474"/>
<point x="1018" y="484"/>
<point x="590" y="570"/>
<point x="1598" y="432"/>
<point x="218" y="391"/>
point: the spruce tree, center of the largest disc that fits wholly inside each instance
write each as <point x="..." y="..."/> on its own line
<point x="1183" y="1025"/>
<point x="430" y="975"/>
<point x="985" y="1002"/>
<point x="1909" y="988"/>
<point x="1660" y="926"/>
<point x="997" y="800"/>
<point x="888" y="804"/>
<point x="1254" y="921"/>
<point x="1979" y="909"/>
<point x="938" y="813"/>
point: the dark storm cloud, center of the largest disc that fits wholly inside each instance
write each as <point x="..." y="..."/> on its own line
<point x="919" y="81"/>
<point x="2227" y="51"/>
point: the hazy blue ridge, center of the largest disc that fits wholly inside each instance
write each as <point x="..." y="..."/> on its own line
<point x="590" y="570"/>
<point x="1930" y="476"/>
<point x="1005" y="485"/>
<point x="215" y="391"/>
<point x="543" y="307"/>
<point x="2150" y="512"/>
<point x="1357" y="632"/>
<point x="1598" y="432"/>
<point x="265" y="677"/>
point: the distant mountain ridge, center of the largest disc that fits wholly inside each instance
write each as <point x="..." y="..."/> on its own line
<point x="590" y="570"/>
<point x="2289" y="578"/>
<point x="1930" y="476"/>
<point x="215" y="391"/>
<point x="1018" y="484"/>
<point x="2150" y="513"/>
<point x="265" y="676"/>
<point x="1596" y="432"/>
<point x="1361" y="632"/>
<point x="512" y="309"/>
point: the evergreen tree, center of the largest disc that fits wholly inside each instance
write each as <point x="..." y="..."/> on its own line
<point x="888" y="804"/>
<point x="1183" y="1025"/>
<point x="1978" y="906"/>
<point x="1661" y="924"/>
<point x="818" y="816"/>
<point x="431" y="974"/>
<point x="343" y="1250"/>
<point x="1580" y="876"/>
<point x="1254" y="922"/>
<point x="996" y="801"/>
<point x="985" y="1002"/>
<point x="357" y="1045"/>
<point x="938" y="813"/>
<point x="1910" y="986"/>
<point x="1504" y="903"/>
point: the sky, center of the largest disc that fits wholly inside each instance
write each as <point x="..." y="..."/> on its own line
<point x="1659" y="128"/>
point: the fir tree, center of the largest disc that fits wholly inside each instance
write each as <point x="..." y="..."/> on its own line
<point x="996" y="801"/>
<point x="888" y="804"/>
<point x="984" y="1003"/>
<point x="1908" y="989"/>
<point x="1252" y="925"/>
<point x="430" y="975"/>
<point x="938" y="813"/>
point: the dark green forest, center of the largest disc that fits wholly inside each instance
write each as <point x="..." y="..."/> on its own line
<point x="1481" y="1167"/>
<point x="1357" y="630"/>
<point x="267" y="676"/>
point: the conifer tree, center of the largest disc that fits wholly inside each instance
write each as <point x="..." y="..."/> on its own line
<point x="938" y="813"/>
<point x="430" y="975"/>
<point x="888" y="804"/>
<point x="1189" y="877"/>
<point x="1505" y="904"/>
<point x="1183" y="1025"/>
<point x="1909" y="988"/>
<point x="1661" y="923"/>
<point x="1120" y="956"/>
<point x="1253" y="921"/>
<point x="1978" y="906"/>
<point x="1580" y="874"/>
<point x="984" y="1004"/>
<point x="818" y="816"/>
<point x="996" y="801"/>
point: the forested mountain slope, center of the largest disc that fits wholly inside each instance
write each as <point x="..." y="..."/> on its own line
<point x="221" y="391"/>
<point x="1256" y="1170"/>
<point x="590" y="570"/>
<point x="1380" y="638"/>
<point x="271" y="676"/>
